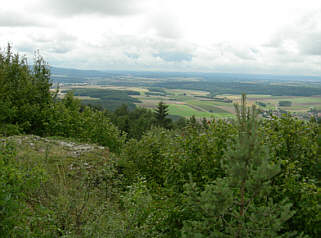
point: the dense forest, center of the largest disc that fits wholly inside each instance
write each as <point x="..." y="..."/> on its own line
<point x="247" y="177"/>
<point x="111" y="99"/>
<point x="234" y="87"/>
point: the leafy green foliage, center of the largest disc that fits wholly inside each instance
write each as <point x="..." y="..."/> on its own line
<point x="219" y="178"/>
<point x="134" y="123"/>
<point x="24" y="91"/>
<point x="68" y="119"/>
<point x="28" y="106"/>
<point x="199" y="177"/>
<point x="187" y="182"/>
<point x="296" y="145"/>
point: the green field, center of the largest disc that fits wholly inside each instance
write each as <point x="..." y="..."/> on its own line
<point x="186" y="103"/>
<point x="187" y="111"/>
<point x="211" y="106"/>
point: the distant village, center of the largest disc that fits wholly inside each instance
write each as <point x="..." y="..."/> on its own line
<point x="312" y="113"/>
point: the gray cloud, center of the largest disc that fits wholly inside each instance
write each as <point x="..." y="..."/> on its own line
<point x="105" y="7"/>
<point x="140" y="48"/>
<point x="52" y="47"/>
<point x="310" y="44"/>
<point x="166" y="25"/>
<point x="124" y="52"/>
<point x="136" y="52"/>
<point x="58" y="36"/>
<point x="59" y="48"/>
<point x="16" y="19"/>
<point x="242" y="52"/>
<point x="303" y="37"/>
<point x="56" y="42"/>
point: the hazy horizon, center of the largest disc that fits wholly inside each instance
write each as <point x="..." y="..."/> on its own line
<point x="187" y="72"/>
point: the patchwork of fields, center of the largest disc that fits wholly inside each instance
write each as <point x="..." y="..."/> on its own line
<point x="187" y="103"/>
<point x="299" y="104"/>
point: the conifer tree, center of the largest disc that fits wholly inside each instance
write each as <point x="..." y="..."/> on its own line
<point x="239" y="205"/>
<point x="161" y="113"/>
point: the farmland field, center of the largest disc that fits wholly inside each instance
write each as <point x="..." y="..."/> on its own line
<point x="186" y="103"/>
<point x="187" y="111"/>
<point x="192" y="94"/>
<point x="299" y="103"/>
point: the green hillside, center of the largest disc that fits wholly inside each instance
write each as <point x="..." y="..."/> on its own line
<point x="70" y="170"/>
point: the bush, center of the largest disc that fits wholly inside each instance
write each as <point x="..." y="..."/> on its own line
<point x="68" y="118"/>
<point x="9" y="129"/>
<point x="296" y="145"/>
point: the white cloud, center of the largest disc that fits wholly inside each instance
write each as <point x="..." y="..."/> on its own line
<point x="208" y="35"/>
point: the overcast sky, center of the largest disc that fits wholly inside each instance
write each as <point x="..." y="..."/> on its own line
<point x="236" y="36"/>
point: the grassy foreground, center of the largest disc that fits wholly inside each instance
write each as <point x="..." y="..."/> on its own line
<point x="76" y="193"/>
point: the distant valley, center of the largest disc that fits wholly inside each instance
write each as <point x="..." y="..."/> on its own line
<point x="190" y="93"/>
